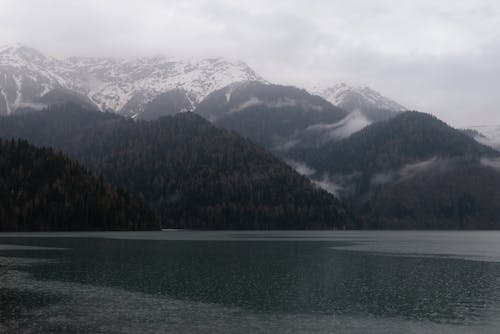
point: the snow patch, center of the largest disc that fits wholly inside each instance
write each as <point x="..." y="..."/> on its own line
<point x="490" y="162"/>
<point x="7" y="105"/>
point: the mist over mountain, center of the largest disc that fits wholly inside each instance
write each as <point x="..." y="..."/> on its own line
<point x="275" y="116"/>
<point x="486" y="134"/>
<point x="412" y="171"/>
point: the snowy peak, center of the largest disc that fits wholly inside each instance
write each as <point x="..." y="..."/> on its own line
<point x="25" y="76"/>
<point x="344" y="94"/>
<point x="120" y="85"/>
<point x="18" y="53"/>
<point x="360" y="98"/>
<point x="114" y="84"/>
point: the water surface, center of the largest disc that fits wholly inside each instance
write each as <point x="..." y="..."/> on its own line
<point x="182" y="281"/>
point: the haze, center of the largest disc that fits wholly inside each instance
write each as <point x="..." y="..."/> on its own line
<point x="440" y="58"/>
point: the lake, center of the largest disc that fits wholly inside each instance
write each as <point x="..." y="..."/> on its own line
<point x="250" y="282"/>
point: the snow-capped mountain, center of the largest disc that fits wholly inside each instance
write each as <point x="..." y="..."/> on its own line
<point x="125" y="86"/>
<point x="25" y="76"/>
<point x="362" y="98"/>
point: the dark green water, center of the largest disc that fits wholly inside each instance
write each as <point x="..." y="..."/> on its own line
<point x="177" y="281"/>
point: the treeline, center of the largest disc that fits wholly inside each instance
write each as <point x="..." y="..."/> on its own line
<point x="41" y="190"/>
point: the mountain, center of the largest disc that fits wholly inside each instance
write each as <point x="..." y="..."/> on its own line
<point x="192" y="174"/>
<point x="277" y="117"/>
<point x="363" y="99"/>
<point x="41" y="190"/>
<point x="412" y="171"/>
<point x="124" y="86"/>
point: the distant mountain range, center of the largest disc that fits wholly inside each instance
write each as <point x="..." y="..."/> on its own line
<point x="124" y="86"/>
<point x="143" y="87"/>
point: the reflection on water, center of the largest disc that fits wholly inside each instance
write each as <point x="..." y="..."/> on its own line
<point x="249" y="283"/>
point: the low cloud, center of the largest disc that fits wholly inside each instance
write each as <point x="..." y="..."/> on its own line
<point x="301" y="167"/>
<point x="412" y="170"/>
<point x="340" y="185"/>
<point x="329" y="186"/>
<point x="488" y="135"/>
<point x="253" y="101"/>
<point x="491" y="162"/>
<point x="350" y="124"/>
<point x="409" y="171"/>
<point x="287" y="145"/>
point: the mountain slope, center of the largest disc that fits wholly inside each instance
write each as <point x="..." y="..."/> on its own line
<point x="272" y="115"/>
<point x="123" y="86"/>
<point x="412" y="171"/>
<point x="44" y="191"/>
<point x="192" y="174"/>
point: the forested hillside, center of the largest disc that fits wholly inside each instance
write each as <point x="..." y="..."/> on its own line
<point x="407" y="138"/>
<point x="192" y="174"/>
<point x="44" y="191"/>
<point x="413" y="171"/>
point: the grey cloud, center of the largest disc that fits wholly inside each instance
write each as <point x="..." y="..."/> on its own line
<point x="493" y="163"/>
<point x="340" y="185"/>
<point x="411" y="170"/>
<point x="337" y="184"/>
<point x="278" y="103"/>
<point x="490" y="136"/>
<point x="353" y="122"/>
<point x="247" y="104"/>
<point x="301" y="167"/>
<point x="287" y="145"/>
<point x="329" y="186"/>
<point x="434" y="56"/>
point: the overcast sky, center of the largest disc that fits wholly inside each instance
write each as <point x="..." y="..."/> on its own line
<point x="441" y="57"/>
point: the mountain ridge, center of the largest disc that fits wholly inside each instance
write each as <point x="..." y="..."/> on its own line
<point x="111" y="83"/>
